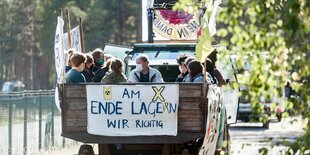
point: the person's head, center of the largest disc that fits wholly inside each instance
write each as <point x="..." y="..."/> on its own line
<point x="213" y="56"/>
<point x="78" y="61"/>
<point x="181" y="62"/>
<point x="195" y="68"/>
<point x="107" y="64"/>
<point x="142" y="62"/>
<point x="188" y="60"/>
<point x="116" y="66"/>
<point x="70" y="53"/>
<point x="89" y="61"/>
<point x="107" y="57"/>
<point x="209" y="65"/>
<point x="98" y="56"/>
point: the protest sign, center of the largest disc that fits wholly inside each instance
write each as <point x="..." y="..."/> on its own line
<point x="75" y="39"/>
<point x="132" y="110"/>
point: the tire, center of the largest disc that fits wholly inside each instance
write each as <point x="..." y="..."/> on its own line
<point x="279" y="116"/>
<point x="226" y="138"/>
<point x="266" y="125"/>
<point x="86" y="150"/>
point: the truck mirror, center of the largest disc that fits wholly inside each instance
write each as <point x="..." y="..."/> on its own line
<point x="127" y="58"/>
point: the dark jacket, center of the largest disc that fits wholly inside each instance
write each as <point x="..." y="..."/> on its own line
<point x="99" y="74"/>
<point x="88" y="74"/>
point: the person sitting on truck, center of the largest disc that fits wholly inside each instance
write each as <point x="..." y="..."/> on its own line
<point x="143" y="72"/>
<point x="100" y="73"/>
<point x="74" y="74"/>
<point x="87" y="72"/>
<point x="187" y="78"/>
<point x="115" y="74"/>
<point x="215" y="72"/>
<point x="210" y="69"/>
<point x="182" y="68"/>
<point x="98" y="69"/>
<point x="98" y="56"/>
<point x="69" y="53"/>
<point x="195" y="72"/>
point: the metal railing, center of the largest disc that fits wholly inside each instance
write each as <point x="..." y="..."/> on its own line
<point x="29" y="122"/>
<point x="27" y="93"/>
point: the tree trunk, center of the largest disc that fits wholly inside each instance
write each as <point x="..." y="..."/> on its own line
<point x="30" y="42"/>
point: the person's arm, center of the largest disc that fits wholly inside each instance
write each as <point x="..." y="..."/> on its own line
<point x="219" y="77"/>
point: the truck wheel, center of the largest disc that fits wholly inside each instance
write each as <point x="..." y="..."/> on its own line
<point x="226" y="138"/>
<point x="266" y="124"/>
<point x="279" y="116"/>
<point x="86" y="149"/>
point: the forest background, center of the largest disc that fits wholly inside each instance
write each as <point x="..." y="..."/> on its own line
<point x="27" y="34"/>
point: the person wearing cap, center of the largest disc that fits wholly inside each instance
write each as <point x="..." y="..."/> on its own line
<point x="143" y="72"/>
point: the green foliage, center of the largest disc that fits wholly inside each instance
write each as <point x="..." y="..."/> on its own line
<point x="279" y="28"/>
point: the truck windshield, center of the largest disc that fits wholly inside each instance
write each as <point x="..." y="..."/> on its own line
<point x="163" y="53"/>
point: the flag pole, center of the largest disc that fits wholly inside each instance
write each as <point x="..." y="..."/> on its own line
<point x="204" y="79"/>
<point x="63" y="80"/>
<point x="61" y="13"/>
<point x="81" y="35"/>
<point x="68" y="28"/>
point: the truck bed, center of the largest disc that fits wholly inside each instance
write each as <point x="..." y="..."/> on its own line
<point x="192" y="115"/>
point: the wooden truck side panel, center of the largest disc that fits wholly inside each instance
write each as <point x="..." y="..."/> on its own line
<point x="191" y="117"/>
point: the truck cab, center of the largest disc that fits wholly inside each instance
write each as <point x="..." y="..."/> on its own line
<point x="161" y="56"/>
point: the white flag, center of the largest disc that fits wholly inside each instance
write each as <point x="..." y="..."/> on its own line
<point x="212" y="24"/>
<point x="59" y="55"/>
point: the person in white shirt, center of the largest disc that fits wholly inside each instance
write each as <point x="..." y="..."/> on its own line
<point x="143" y="72"/>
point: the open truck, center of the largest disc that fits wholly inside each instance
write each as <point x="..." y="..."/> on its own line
<point x="150" y="118"/>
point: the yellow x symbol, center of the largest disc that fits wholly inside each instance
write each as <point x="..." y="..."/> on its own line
<point x="158" y="93"/>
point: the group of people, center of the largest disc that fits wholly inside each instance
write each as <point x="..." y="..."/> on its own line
<point x="191" y="70"/>
<point x="97" y="66"/>
<point x="93" y="67"/>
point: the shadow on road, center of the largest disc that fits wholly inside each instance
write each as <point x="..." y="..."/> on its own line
<point x="247" y="128"/>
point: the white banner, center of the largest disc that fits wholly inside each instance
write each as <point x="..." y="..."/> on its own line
<point x="175" y="25"/>
<point x="132" y="110"/>
<point x="75" y="39"/>
<point x="58" y="49"/>
<point x="213" y="121"/>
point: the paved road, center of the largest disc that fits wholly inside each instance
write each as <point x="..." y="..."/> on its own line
<point x="249" y="138"/>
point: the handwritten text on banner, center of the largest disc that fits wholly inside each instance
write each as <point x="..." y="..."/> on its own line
<point x="131" y="110"/>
